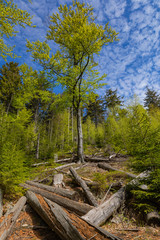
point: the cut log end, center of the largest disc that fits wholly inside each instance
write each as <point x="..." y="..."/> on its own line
<point x="153" y="218"/>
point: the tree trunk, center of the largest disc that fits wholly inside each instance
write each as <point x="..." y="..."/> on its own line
<point x="60" y="191"/>
<point x="58" y="180"/>
<point x="80" y="137"/>
<point x="68" y="126"/>
<point x="108" y="167"/>
<point x="100" y="214"/>
<point x="1" y="202"/>
<point x="37" y="150"/>
<point x="67" y="225"/>
<point x="77" y="207"/>
<point x="9" y="105"/>
<point x="7" y="225"/>
<point x="72" y="127"/>
<point x="85" y="188"/>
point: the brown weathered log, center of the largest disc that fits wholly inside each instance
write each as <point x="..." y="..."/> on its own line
<point x="153" y="218"/>
<point x="100" y="214"/>
<point x="67" y="225"/>
<point x="108" y="167"/>
<point x="85" y="188"/>
<point x="77" y="207"/>
<point x="61" y="191"/>
<point x="7" y="225"/>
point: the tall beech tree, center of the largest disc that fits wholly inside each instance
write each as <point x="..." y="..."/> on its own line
<point x="79" y="39"/>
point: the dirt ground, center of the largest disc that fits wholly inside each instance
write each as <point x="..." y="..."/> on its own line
<point x="30" y="226"/>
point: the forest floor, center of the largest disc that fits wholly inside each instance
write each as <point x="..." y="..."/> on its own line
<point x="30" y="226"/>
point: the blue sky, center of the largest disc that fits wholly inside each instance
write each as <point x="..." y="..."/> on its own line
<point x="132" y="63"/>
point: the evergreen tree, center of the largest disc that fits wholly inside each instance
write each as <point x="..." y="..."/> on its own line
<point x="95" y="111"/>
<point x="111" y="99"/>
<point x="152" y="99"/>
<point x="10" y="85"/>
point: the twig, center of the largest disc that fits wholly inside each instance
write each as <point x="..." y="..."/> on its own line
<point x="124" y="229"/>
<point x="106" y="193"/>
<point x="92" y="236"/>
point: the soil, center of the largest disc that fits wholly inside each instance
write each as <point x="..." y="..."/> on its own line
<point x="30" y="226"/>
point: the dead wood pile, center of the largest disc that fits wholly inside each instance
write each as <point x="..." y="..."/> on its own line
<point x="64" y="213"/>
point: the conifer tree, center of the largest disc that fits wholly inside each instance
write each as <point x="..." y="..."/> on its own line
<point x="10" y="84"/>
<point x="152" y="99"/>
<point x="111" y="99"/>
<point x="95" y="110"/>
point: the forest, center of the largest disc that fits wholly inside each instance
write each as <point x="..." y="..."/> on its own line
<point x="37" y="125"/>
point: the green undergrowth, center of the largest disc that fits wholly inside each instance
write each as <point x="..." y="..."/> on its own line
<point x="107" y="178"/>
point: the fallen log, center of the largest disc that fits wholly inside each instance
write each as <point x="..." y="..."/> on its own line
<point x="136" y="182"/>
<point x="85" y="188"/>
<point x="106" y="166"/>
<point x="100" y="214"/>
<point x="81" y="166"/>
<point x="39" y="164"/>
<point x="77" y="207"/>
<point x="9" y="221"/>
<point x="61" y="191"/>
<point x="64" y="160"/>
<point x="67" y="225"/>
<point x="60" y="167"/>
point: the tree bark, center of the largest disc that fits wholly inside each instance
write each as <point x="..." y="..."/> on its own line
<point x="60" y="191"/>
<point x="85" y="188"/>
<point x="1" y="202"/>
<point x="108" y="167"/>
<point x="67" y="225"/>
<point x="77" y="207"/>
<point x="37" y="150"/>
<point x="100" y="214"/>
<point x="80" y="137"/>
<point x="7" y="225"/>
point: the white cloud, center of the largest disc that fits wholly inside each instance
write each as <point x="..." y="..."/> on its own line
<point x="115" y="8"/>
